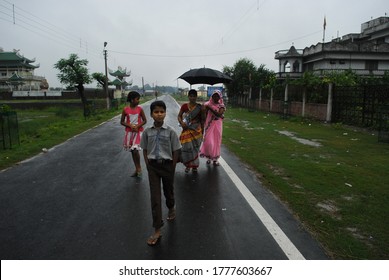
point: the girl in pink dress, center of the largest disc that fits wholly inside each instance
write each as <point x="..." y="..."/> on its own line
<point x="133" y="118"/>
<point x="213" y="128"/>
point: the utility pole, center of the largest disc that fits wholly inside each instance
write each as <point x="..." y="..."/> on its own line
<point x="143" y="87"/>
<point x="106" y="77"/>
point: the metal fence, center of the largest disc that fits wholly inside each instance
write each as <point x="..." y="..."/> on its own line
<point x="383" y="126"/>
<point x="361" y="105"/>
<point x="9" y="130"/>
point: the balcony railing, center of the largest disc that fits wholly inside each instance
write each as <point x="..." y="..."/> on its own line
<point x="322" y="72"/>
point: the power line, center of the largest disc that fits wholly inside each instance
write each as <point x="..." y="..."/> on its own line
<point x="43" y="28"/>
<point x="213" y="54"/>
<point x="240" y="21"/>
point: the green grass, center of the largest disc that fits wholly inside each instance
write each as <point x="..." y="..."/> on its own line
<point x="43" y="129"/>
<point x="338" y="190"/>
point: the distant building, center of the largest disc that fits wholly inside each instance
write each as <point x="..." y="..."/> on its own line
<point x="120" y="81"/>
<point x="17" y="72"/>
<point x="366" y="53"/>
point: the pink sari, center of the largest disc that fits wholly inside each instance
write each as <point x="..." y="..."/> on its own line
<point x="213" y="129"/>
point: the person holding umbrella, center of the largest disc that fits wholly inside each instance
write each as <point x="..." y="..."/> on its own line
<point x="213" y="128"/>
<point x="191" y="119"/>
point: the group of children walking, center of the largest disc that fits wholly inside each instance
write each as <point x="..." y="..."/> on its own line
<point x="162" y="147"/>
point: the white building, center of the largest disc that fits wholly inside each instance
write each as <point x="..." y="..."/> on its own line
<point x="366" y="53"/>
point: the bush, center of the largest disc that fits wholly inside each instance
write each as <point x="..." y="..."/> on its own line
<point x="4" y="108"/>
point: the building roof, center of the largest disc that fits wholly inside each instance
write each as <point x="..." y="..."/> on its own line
<point x="120" y="72"/>
<point x="348" y="47"/>
<point x="15" y="79"/>
<point x="361" y="43"/>
<point x="118" y="82"/>
<point x="14" y="59"/>
<point x="292" y="52"/>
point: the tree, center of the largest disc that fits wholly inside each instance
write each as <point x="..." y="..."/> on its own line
<point x="73" y="73"/>
<point x="246" y="75"/>
<point x="100" y="78"/>
<point x="104" y="82"/>
<point x="242" y="74"/>
<point x="266" y="77"/>
<point x="344" y="78"/>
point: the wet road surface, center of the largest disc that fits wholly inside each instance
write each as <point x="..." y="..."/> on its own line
<point x="78" y="201"/>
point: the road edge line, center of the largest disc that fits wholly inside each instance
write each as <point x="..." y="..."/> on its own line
<point x="279" y="236"/>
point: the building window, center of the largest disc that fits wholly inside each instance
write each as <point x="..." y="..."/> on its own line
<point x="332" y="62"/>
<point x="371" y="65"/>
<point x="287" y="66"/>
<point x="342" y="62"/>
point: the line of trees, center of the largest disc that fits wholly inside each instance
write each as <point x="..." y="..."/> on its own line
<point x="73" y="73"/>
<point x="246" y="75"/>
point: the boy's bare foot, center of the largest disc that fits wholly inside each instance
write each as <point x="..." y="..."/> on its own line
<point x="153" y="239"/>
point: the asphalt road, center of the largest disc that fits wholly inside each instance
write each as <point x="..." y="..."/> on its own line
<point x="78" y="201"/>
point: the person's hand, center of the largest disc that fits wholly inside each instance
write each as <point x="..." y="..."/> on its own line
<point x="221" y="112"/>
<point x="134" y="127"/>
<point x="184" y="125"/>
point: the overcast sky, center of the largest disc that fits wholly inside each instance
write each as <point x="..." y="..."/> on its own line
<point x="161" y="39"/>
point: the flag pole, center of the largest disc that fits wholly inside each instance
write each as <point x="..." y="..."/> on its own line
<point x="324" y="28"/>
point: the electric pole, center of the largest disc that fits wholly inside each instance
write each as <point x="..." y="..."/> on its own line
<point x="106" y="77"/>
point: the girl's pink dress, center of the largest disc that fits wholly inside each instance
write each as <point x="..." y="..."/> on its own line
<point x="132" y="138"/>
<point x="213" y="129"/>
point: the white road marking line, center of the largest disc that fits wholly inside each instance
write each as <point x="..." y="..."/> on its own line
<point x="279" y="236"/>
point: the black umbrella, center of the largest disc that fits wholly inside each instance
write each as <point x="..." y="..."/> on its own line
<point x="205" y="76"/>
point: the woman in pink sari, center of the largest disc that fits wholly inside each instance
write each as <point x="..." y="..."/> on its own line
<point x="213" y="128"/>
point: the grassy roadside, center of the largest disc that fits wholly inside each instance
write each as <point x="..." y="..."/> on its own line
<point x="337" y="185"/>
<point x="44" y="128"/>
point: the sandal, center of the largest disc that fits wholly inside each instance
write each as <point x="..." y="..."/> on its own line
<point x="137" y="174"/>
<point x="153" y="240"/>
<point x="172" y="214"/>
<point x="216" y="163"/>
<point x="194" y="169"/>
<point x="209" y="161"/>
<point x="187" y="170"/>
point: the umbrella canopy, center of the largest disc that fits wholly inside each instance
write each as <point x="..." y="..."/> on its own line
<point x="205" y="76"/>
